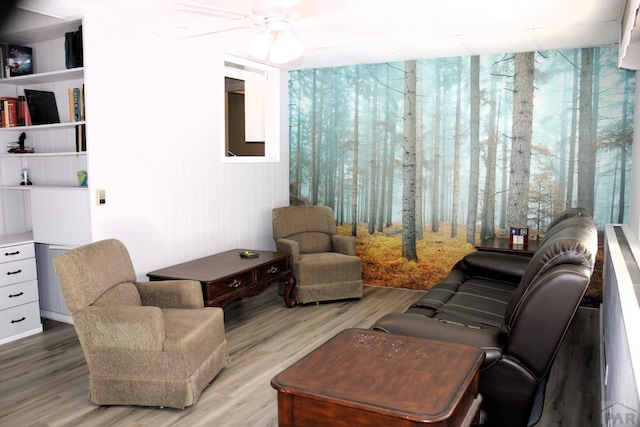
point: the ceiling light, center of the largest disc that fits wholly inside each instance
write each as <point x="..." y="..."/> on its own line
<point x="276" y="44"/>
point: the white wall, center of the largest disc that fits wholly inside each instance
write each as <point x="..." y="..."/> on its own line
<point x="153" y="105"/>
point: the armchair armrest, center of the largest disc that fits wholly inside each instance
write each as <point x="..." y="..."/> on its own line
<point x="122" y="327"/>
<point x="171" y="294"/>
<point x="499" y="266"/>
<point x="344" y="244"/>
<point x="290" y="247"/>
<point x="419" y="326"/>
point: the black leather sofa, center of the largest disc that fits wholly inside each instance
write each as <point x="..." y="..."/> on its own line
<point x="516" y="308"/>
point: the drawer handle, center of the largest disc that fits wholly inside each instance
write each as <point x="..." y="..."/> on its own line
<point x="16" y="295"/>
<point x="19" y="320"/>
<point x="11" y="253"/>
<point x="234" y="284"/>
<point x="272" y="270"/>
<point x="9" y="273"/>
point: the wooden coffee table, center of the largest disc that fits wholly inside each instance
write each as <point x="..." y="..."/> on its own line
<point x="370" y="378"/>
<point x="226" y="277"/>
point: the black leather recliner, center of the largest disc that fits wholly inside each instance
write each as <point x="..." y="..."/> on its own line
<point x="517" y="309"/>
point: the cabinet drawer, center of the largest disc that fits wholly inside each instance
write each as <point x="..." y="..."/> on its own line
<point x="19" y="319"/>
<point x="17" y="252"/>
<point x="228" y="285"/>
<point x="18" y="271"/>
<point x="18" y="294"/>
<point x="272" y="270"/>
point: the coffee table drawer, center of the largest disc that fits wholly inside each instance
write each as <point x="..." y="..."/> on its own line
<point x="227" y="285"/>
<point x="272" y="270"/>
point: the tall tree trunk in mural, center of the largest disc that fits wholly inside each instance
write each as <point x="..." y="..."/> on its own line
<point x="586" y="152"/>
<point x="373" y="162"/>
<point x="504" y="183"/>
<point x="456" y="154"/>
<point x="409" y="165"/>
<point x="419" y="155"/>
<point x="435" y="193"/>
<point x="314" y="136"/>
<point x="487" y="228"/>
<point x="595" y="117"/>
<point x="518" y="202"/>
<point x="574" y="133"/>
<point x="391" y="162"/>
<point x="332" y="146"/>
<point x="384" y="173"/>
<point x="625" y="143"/>
<point x="354" y="185"/>
<point x="295" y="188"/>
<point x="474" y="150"/>
<point x="563" y="146"/>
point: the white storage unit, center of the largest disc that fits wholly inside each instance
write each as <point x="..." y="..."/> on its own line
<point x="55" y="210"/>
<point x="19" y="302"/>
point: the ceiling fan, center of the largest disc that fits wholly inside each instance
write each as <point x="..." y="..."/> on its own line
<point x="276" y="42"/>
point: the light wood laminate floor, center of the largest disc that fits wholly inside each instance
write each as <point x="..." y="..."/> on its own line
<point x="43" y="378"/>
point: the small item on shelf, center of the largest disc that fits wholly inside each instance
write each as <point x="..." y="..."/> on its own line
<point x="20" y="60"/>
<point x="25" y="178"/>
<point x="18" y="147"/>
<point x="82" y="178"/>
<point x="249" y="254"/>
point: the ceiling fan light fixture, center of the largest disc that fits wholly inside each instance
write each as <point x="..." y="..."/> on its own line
<point x="260" y="46"/>
<point x="277" y="44"/>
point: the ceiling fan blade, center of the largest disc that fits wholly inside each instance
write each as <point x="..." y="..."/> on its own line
<point x="206" y="9"/>
<point x="220" y="31"/>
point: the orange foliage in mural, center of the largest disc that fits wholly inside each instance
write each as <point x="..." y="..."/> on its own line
<point x="381" y="255"/>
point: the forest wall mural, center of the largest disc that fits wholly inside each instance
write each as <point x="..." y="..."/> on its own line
<point x="420" y="160"/>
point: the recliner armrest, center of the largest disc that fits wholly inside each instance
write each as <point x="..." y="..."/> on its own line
<point x="171" y="294"/>
<point x="500" y="266"/>
<point x="290" y="247"/>
<point x="344" y="244"/>
<point x="434" y="329"/>
<point x="121" y="327"/>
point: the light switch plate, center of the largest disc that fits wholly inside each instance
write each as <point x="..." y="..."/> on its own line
<point x="101" y="197"/>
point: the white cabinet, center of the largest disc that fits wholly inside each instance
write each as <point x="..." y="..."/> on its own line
<point x="19" y="302"/>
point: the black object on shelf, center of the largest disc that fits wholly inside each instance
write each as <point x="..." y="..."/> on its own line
<point x="73" y="49"/>
<point x="42" y="107"/>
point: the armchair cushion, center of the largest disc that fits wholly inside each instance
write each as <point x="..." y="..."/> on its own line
<point x="122" y="294"/>
<point x="344" y="244"/>
<point x="290" y="247"/>
<point x="171" y="293"/>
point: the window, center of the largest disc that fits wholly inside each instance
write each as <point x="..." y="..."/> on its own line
<point x="252" y="118"/>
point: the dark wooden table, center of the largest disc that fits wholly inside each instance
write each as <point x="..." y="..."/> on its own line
<point x="226" y="277"/>
<point x="502" y="244"/>
<point x="369" y="378"/>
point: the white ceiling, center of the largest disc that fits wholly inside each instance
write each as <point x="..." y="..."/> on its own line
<point x="344" y="32"/>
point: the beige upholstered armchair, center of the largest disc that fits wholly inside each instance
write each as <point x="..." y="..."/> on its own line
<point x="325" y="264"/>
<point x="148" y="344"/>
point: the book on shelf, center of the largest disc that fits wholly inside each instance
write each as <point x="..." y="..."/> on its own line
<point x="76" y="104"/>
<point x="81" y="138"/>
<point x="9" y="107"/>
<point x="19" y="60"/>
